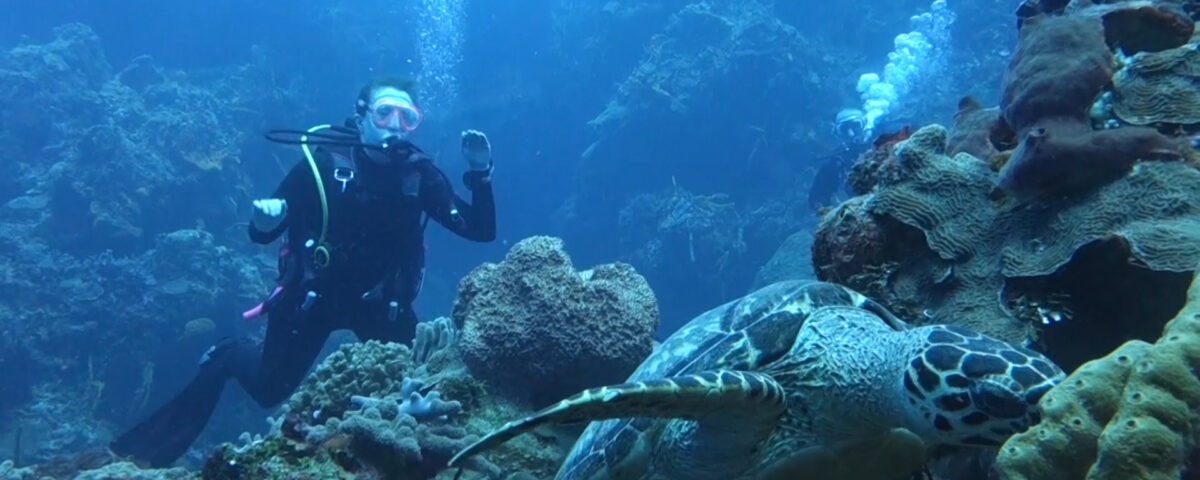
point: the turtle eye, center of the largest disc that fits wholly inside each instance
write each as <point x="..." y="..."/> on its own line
<point x="997" y="401"/>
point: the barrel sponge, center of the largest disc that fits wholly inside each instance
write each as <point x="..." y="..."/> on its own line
<point x="532" y="326"/>
<point x="1059" y="67"/>
<point x="1145" y="397"/>
<point x="1159" y="87"/>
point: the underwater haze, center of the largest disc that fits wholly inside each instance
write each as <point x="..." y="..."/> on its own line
<point x="559" y="239"/>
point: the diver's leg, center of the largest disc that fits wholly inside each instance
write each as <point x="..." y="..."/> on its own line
<point x="160" y="439"/>
<point x="268" y="372"/>
<point x="293" y="342"/>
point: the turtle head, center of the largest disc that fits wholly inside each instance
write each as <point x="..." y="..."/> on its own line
<point x="972" y="390"/>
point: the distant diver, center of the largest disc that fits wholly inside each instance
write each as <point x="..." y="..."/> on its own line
<point x="355" y="211"/>
<point x="829" y="184"/>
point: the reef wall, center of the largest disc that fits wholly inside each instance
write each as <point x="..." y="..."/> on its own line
<point x="1068" y="218"/>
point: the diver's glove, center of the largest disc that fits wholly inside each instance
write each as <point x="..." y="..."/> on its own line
<point x="268" y="213"/>
<point x="477" y="150"/>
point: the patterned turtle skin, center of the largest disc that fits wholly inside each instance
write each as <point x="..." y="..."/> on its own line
<point x="797" y="378"/>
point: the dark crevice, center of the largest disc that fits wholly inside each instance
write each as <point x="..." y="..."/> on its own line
<point x="1103" y="296"/>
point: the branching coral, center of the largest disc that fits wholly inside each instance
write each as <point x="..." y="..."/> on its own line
<point x="371" y="409"/>
<point x="402" y="438"/>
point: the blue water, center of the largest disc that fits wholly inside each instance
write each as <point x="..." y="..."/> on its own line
<point x="540" y="77"/>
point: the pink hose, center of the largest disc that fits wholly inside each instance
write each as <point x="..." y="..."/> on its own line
<point x="255" y="312"/>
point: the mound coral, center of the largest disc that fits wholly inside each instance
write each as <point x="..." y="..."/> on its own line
<point x="536" y="329"/>
<point x="1129" y="415"/>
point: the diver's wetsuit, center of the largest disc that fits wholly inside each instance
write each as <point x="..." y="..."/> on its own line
<point x="376" y="241"/>
<point x="830" y="179"/>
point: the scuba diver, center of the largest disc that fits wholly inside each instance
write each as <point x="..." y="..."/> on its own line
<point x="829" y="184"/>
<point x="354" y="210"/>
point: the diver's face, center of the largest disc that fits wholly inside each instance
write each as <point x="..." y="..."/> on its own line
<point x="390" y="116"/>
<point x="850" y="131"/>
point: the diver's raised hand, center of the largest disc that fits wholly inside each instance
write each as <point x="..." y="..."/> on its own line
<point x="269" y="212"/>
<point x="476" y="149"/>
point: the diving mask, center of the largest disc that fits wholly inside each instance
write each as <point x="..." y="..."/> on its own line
<point x="849" y="125"/>
<point x="392" y="111"/>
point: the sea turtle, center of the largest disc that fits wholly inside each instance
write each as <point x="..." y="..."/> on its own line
<point x="797" y="380"/>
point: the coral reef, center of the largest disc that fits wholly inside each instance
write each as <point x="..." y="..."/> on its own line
<point x="351" y="371"/>
<point x="705" y="61"/>
<point x="971" y="133"/>
<point x="679" y="237"/>
<point x="396" y="437"/>
<point x="935" y="243"/>
<point x="107" y="254"/>
<point x="1051" y="219"/>
<point x="1131" y="414"/>
<point x="535" y="328"/>
<point x="1131" y="26"/>
<point x="82" y="362"/>
<point x="708" y="244"/>
<point x="1066" y="219"/>
<point x="1046" y="98"/>
<point x="91" y="464"/>
<point x="99" y="132"/>
<point x="1139" y="25"/>
<point x="375" y="410"/>
<point x="1159" y="87"/>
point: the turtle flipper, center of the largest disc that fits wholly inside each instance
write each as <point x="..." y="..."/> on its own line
<point x="731" y="399"/>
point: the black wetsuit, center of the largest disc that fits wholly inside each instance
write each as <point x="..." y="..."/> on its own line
<point x="830" y="180"/>
<point x="375" y="237"/>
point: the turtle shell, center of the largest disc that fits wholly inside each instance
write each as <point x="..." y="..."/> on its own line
<point x="745" y="334"/>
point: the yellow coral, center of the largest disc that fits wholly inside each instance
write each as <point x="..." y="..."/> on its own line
<point x="1064" y="444"/>
<point x="1131" y="415"/>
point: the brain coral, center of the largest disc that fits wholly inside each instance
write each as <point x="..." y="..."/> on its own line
<point x="1130" y="415"/>
<point x="1161" y="87"/>
<point x="536" y="329"/>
